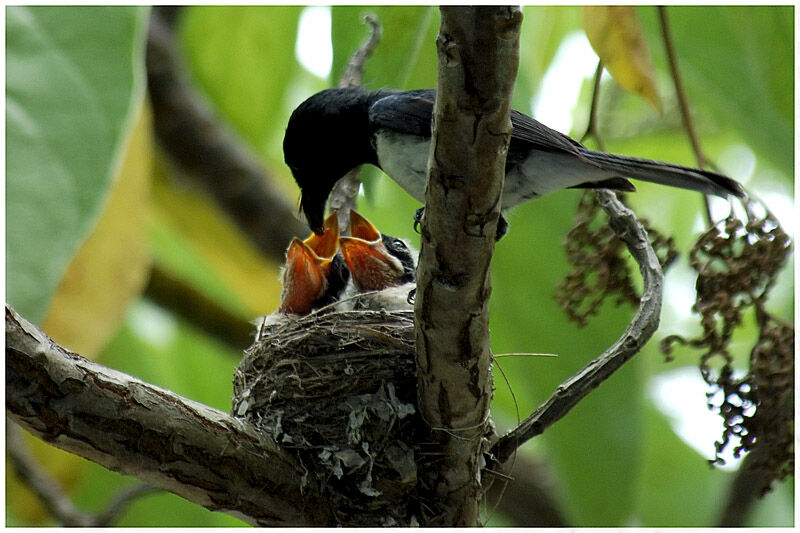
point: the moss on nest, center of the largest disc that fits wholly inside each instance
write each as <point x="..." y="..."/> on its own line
<point x="338" y="390"/>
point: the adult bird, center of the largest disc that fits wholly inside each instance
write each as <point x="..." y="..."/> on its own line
<point x="382" y="268"/>
<point x="314" y="274"/>
<point x="336" y="130"/>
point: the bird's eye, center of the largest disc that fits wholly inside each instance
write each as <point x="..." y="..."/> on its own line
<point x="398" y="242"/>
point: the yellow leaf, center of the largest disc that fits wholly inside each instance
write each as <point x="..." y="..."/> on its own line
<point x="215" y="241"/>
<point x="111" y="267"/>
<point x="617" y="37"/>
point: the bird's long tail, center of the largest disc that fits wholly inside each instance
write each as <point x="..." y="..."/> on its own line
<point x="694" y="179"/>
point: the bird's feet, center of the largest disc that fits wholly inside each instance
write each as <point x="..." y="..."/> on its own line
<point x="502" y="223"/>
<point x="418" y="214"/>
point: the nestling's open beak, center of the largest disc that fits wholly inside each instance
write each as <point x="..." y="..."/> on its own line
<point x="308" y="263"/>
<point x="369" y="262"/>
<point x="326" y="244"/>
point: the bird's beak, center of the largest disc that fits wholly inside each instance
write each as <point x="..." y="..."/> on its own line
<point x="304" y="278"/>
<point x="308" y="263"/>
<point x="312" y="203"/>
<point x="362" y="228"/>
<point x="369" y="262"/>
<point x="327" y="243"/>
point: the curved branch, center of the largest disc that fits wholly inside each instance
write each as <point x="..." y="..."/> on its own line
<point x="478" y="58"/>
<point x="644" y="324"/>
<point x="138" y="429"/>
<point x="345" y="192"/>
<point x="202" y="147"/>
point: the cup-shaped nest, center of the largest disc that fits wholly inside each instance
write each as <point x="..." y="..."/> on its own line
<point x="338" y="390"/>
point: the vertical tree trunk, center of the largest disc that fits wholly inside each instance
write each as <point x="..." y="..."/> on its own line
<point x="478" y="58"/>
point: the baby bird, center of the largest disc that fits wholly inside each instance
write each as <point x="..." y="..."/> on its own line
<point x="314" y="274"/>
<point x="382" y="268"/>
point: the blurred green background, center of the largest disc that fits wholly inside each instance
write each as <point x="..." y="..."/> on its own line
<point x="89" y="210"/>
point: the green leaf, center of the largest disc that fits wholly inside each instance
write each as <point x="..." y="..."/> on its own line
<point x="543" y="30"/>
<point x="738" y="62"/>
<point x="74" y="78"/>
<point x="242" y="57"/>
<point x="678" y="489"/>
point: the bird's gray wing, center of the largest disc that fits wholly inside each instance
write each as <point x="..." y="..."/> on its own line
<point x="408" y="112"/>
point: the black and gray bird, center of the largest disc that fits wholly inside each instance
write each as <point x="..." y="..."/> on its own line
<point x="337" y="130"/>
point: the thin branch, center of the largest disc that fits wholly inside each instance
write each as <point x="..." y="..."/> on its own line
<point x="121" y="501"/>
<point x="591" y="127"/>
<point x="208" y="152"/>
<point x="196" y="308"/>
<point x="51" y="494"/>
<point x="644" y="324"/>
<point x="199" y="453"/>
<point x="683" y="103"/>
<point x="354" y="72"/>
<point x="478" y="59"/>
<point x="344" y="195"/>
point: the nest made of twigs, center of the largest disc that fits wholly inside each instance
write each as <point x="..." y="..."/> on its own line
<point x="338" y="389"/>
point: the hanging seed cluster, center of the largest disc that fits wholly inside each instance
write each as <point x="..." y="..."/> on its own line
<point x="600" y="266"/>
<point x="737" y="263"/>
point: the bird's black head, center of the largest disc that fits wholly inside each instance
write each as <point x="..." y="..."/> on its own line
<point x="327" y="136"/>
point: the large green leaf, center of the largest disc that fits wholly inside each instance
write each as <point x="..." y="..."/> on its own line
<point x="737" y="61"/>
<point x="677" y="489"/>
<point x="74" y="76"/>
<point x="243" y="56"/>
<point x="543" y="29"/>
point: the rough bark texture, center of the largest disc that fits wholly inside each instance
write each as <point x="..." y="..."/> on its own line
<point x="126" y="425"/>
<point x="478" y="58"/>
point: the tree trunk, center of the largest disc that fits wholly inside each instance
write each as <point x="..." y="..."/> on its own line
<point x="478" y="58"/>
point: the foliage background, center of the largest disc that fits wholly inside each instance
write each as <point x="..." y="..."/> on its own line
<point x="90" y="207"/>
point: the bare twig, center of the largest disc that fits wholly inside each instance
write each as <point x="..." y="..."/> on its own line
<point x="354" y="72"/>
<point x="53" y="497"/>
<point x="478" y="59"/>
<point x="644" y="324"/>
<point x="205" y="150"/>
<point x="591" y="127"/>
<point x="200" y="453"/>
<point x="683" y="103"/>
<point x="344" y="195"/>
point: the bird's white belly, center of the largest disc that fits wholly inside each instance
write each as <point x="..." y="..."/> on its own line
<point x="405" y="159"/>
<point x="545" y="172"/>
